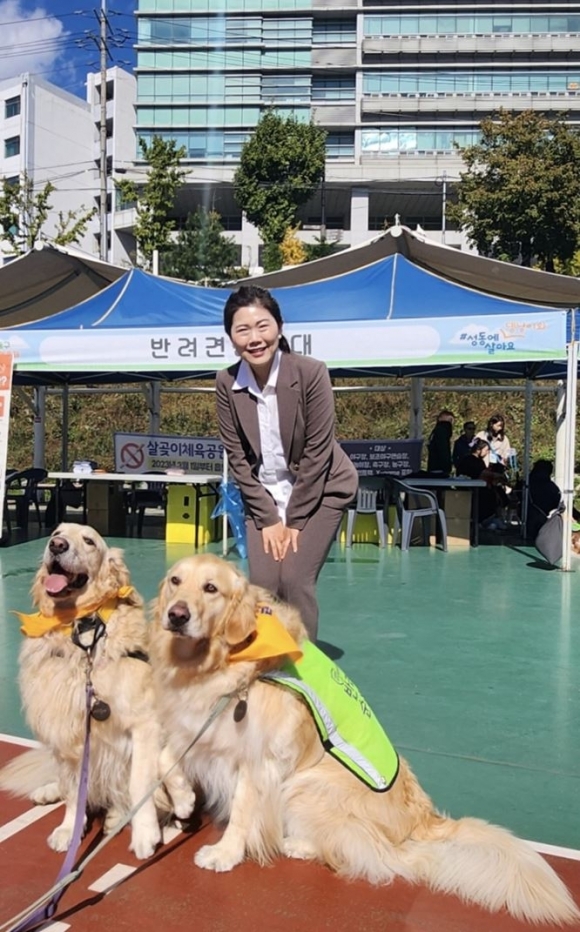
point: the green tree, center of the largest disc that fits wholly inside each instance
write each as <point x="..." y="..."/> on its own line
<point x="24" y="214"/>
<point x="201" y="252"/>
<point x="320" y="248"/>
<point x="281" y="166"/>
<point x="519" y="198"/>
<point x="155" y="198"/>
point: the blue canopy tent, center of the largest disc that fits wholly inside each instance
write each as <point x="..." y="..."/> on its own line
<point x="400" y="306"/>
<point x="387" y="317"/>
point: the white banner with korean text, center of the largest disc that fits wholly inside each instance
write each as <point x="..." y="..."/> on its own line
<point x="451" y="340"/>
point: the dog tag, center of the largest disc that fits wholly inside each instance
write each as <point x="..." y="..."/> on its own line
<point x="240" y="710"/>
<point x="100" y="710"/>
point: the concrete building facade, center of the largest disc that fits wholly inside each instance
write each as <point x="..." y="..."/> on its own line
<point x="48" y="134"/>
<point x="395" y="85"/>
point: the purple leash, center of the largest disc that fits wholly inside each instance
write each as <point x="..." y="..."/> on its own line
<point x="45" y="912"/>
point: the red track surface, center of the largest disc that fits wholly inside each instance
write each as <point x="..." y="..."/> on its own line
<point x="169" y="893"/>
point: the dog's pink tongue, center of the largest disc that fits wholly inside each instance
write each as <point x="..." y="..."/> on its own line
<point x="55" y="583"/>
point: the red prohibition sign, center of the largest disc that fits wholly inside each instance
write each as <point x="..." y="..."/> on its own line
<point x="132" y="455"/>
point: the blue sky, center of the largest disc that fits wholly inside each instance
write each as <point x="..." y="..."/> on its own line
<point x="53" y="39"/>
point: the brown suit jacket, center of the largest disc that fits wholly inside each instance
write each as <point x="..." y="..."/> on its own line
<point x="323" y="471"/>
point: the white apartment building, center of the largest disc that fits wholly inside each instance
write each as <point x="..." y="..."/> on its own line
<point x="52" y="135"/>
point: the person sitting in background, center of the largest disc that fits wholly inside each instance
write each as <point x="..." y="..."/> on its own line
<point x="489" y="498"/>
<point x="439" y="445"/>
<point x="544" y="496"/>
<point x="499" y="445"/>
<point x="462" y="445"/>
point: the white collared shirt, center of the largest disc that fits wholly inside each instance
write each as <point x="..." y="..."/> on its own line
<point x="273" y="472"/>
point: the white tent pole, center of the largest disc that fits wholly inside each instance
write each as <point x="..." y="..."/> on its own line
<point x="224" y="516"/>
<point x="568" y="489"/>
<point x="528" y="408"/>
<point x="416" y="408"/>
<point x="560" y="461"/>
<point x="64" y="421"/>
<point x="39" y="427"/>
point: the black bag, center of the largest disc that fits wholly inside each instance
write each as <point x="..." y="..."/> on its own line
<point x="549" y="538"/>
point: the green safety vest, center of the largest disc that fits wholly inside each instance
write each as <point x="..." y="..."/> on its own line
<point x="348" y="728"/>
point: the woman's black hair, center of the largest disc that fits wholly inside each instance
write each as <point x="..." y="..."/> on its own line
<point x="478" y="444"/>
<point x="496" y="419"/>
<point x="247" y="295"/>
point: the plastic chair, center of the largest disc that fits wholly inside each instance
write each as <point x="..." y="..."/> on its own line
<point x="153" y="496"/>
<point x="366" y="504"/>
<point x="22" y="492"/>
<point x="412" y="503"/>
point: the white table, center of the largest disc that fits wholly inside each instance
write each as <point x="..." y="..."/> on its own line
<point x="453" y="483"/>
<point x="194" y="479"/>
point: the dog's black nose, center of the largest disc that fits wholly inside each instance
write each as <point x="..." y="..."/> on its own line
<point x="58" y="545"/>
<point x="178" y="615"/>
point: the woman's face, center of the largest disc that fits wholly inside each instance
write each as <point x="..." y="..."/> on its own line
<point x="255" y="336"/>
<point x="497" y="427"/>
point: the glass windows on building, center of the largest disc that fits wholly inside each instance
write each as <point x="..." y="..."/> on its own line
<point x="279" y="88"/>
<point x="215" y="6"/>
<point x="152" y="117"/>
<point x="205" y="144"/>
<point x="11" y="107"/>
<point x="334" y="32"/>
<point x="511" y="81"/>
<point x="465" y="24"/>
<point x="199" y="88"/>
<point x="333" y="88"/>
<point x="340" y="145"/>
<point x="11" y="147"/>
<point x="220" y="59"/>
<point x="383" y="142"/>
<point x="225" y="30"/>
<point x="287" y="31"/>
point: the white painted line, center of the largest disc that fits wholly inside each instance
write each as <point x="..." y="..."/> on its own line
<point x="56" y="927"/>
<point x="23" y="821"/>
<point x="556" y="851"/>
<point x="170" y="832"/>
<point x="115" y="876"/>
<point x="23" y="742"/>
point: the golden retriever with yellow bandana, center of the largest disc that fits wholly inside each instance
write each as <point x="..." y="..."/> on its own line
<point x="265" y="773"/>
<point x="81" y="588"/>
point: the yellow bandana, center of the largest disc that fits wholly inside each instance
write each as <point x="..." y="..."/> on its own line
<point x="35" y="626"/>
<point x="271" y="640"/>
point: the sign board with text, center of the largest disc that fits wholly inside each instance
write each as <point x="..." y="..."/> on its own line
<point x="384" y="457"/>
<point x="140" y="453"/>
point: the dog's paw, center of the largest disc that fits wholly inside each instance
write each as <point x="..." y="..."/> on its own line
<point x="183" y="803"/>
<point x="46" y="794"/>
<point x="218" y="857"/>
<point x="298" y="849"/>
<point x="112" y="819"/>
<point x="144" y="840"/>
<point x="60" y="839"/>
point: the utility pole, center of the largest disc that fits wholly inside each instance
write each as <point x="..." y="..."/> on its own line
<point x="443" y="206"/>
<point x="103" y="130"/>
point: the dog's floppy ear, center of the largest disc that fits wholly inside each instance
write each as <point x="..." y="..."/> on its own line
<point x="241" y="620"/>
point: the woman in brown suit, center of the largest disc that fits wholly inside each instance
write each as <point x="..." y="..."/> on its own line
<point x="276" y="417"/>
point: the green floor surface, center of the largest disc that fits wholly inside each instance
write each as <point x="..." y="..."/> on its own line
<point x="470" y="659"/>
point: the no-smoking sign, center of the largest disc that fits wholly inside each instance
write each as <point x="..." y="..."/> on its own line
<point x="133" y="456"/>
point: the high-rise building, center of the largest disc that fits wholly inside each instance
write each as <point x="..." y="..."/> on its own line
<point x="395" y="85"/>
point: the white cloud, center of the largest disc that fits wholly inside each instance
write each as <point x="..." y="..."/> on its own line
<point x="29" y="39"/>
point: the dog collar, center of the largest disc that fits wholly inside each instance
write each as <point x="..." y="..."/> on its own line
<point x="270" y="639"/>
<point x="36" y="625"/>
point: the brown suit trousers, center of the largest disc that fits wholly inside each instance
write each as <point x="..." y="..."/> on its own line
<point x="293" y="579"/>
